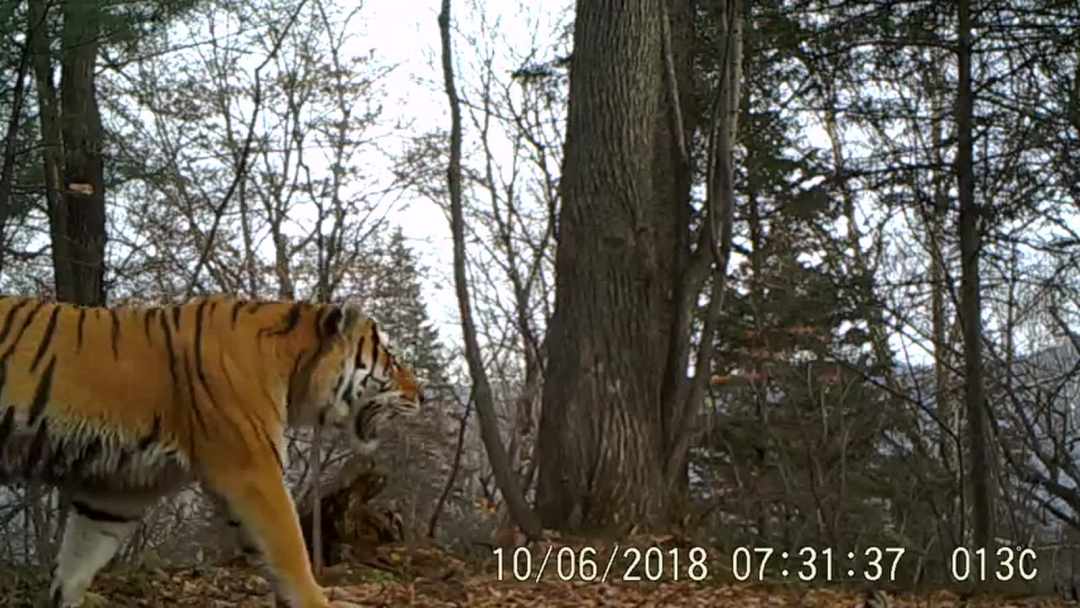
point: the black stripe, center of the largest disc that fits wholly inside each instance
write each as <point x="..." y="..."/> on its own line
<point x="292" y="380"/>
<point x="9" y="317"/>
<point x="41" y="394"/>
<point x="359" y="363"/>
<point x="46" y="339"/>
<point x="40" y="439"/>
<point x="327" y="321"/>
<point x="79" y="333"/>
<point x="22" y="330"/>
<point x="191" y="393"/>
<point x="172" y="373"/>
<point x="98" y="515"/>
<point x="125" y="456"/>
<point x="374" y="355"/>
<point x="56" y="456"/>
<point x="6" y="425"/>
<point x="199" y="371"/>
<point x="169" y="349"/>
<point x="290" y="321"/>
<point x="374" y="346"/>
<point x="320" y="312"/>
<point x="154" y="436"/>
<point x="255" y="306"/>
<point x="148" y="317"/>
<point x="115" y="334"/>
<point x="90" y="452"/>
<point x="176" y="317"/>
<point x="57" y="596"/>
<point x="237" y="305"/>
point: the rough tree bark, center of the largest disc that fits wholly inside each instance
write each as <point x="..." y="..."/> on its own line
<point x="980" y="473"/>
<point x="601" y="439"/>
<point x="77" y="207"/>
<point x="508" y="484"/>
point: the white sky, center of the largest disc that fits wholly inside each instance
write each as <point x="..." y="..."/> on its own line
<point x="406" y="34"/>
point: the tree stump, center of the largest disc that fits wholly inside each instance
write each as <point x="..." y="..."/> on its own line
<point x="348" y="521"/>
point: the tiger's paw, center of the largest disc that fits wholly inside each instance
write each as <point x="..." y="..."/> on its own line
<point x="340" y="597"/>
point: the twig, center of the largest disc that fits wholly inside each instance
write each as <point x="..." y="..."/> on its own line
<point x="241" y="168"/>
<point x="453" y="469"/>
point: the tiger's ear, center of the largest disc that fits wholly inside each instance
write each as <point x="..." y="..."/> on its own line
<point x="341" y="320"/>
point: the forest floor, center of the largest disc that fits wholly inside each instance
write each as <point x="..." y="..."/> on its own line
<point x="427" y="577"/>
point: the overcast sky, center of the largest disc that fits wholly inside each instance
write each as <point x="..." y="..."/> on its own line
<point x="406" y="34"/>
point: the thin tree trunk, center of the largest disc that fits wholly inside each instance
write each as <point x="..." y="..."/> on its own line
<point x="942" y="352"/>
<point x="693" y="269"/>
<point x="519" y="509"/>
<point x="53" y="150"/>
<point x="971" y="309"/>
<point x="454" y="468"/>
<point x="82" y="199"/>
<point x="723" y="127"/>
<point x="7" y="172"/>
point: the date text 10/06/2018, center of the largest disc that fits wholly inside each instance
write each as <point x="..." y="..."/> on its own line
<point x="808" y="564"/>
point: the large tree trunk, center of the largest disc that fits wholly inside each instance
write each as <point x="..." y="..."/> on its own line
<point x="71" y="130"/>
<point x="980" y="472"/>
<point x="601" y="438"/>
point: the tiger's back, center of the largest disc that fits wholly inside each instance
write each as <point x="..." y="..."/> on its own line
<point x="80" y="401"/>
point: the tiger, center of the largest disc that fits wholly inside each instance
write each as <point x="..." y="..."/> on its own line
<point x="119" y="407"/>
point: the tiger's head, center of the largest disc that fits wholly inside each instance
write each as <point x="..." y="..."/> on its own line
<point x="371" y="385"/>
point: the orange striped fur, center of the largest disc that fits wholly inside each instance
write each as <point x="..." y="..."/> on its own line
<point x="121" y="406"/>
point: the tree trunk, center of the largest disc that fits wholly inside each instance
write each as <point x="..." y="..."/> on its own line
<point x="601" y="438"/>
<point x="71" y="130"/>
<point x="971" y="309"/>
<point x="7" y="171"/>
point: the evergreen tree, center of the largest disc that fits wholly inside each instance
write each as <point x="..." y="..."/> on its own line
<point x="400" y="309"/>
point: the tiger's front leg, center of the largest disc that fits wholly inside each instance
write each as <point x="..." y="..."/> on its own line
<point x="258" y="499"/>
